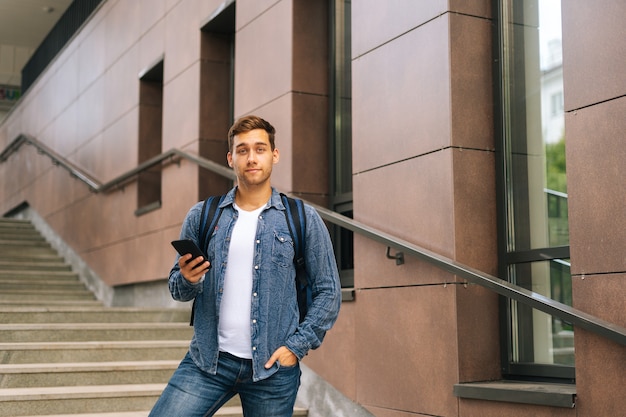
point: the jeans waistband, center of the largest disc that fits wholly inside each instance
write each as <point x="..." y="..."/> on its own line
<point x="233" y="357"/>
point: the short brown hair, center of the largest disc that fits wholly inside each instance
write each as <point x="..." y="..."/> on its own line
<point x="246" y="124"/>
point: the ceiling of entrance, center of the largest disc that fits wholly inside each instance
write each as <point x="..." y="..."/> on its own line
<point x="23" y="25"/>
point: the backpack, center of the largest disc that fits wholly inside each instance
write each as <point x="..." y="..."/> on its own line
<point x="296" y="221"/>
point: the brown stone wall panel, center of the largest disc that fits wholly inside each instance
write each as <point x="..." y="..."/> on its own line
<point x="471" y="81"/>
<point x="249" y="10"/>
<point x="481" y="8"/>
<point x="477" y="408"/>
<point x="214" y="97"/>
<point x="478" y="333"/>
<point x="372" y="269"/>
<point x="121" y="86"/>
<point x="602" y="296"/>
<point x="401" y="100"/>
<point x="406" y="338"/>
<point x="264" y="59"/>
<point x="476" y="246"/>
<point x="412" y="199"/>
<point x="180" y="192"/>
<point x="593" y="51"/>
<point x="370" y="21"/>
<point x="119" y="147"/>
<point x="91" y="108"/>
<point x="122" y="28"/>
<point x="310" y="46"/>
<point x="64" y="137"/>
<point x="92" y="62"/>
<point x="181" y="103"/>
<point x="156" y="254"/>
<point x="182" y="38"/>
<point x="475" y="209"/>
<point x="151" y="13"/>
<point x="92" y="160"/>
<point x="600" y="363"/>
<point x="310" y="144"/>
<point x="151" y="46"/>
<point x="335" y="359"/>
<point x="596" y="182"/>
<point x="44" y="105"/>
<point x="64" y="86"/>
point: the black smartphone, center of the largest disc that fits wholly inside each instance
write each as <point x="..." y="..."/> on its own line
<point x="185" y="246"/>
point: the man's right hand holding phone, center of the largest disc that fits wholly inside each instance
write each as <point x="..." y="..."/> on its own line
<point x="193" y="269"/>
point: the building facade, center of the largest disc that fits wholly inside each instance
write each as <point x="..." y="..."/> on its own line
<point x="420" y="119"/>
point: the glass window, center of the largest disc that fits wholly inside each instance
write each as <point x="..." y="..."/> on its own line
<point x="150" y="137"/>
<point x="533" y="190"/>
<point x="216" y="96"/>
<point x="341" y="132"/>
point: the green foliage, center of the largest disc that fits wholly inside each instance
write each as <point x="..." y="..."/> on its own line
<point x="555" y="166"/>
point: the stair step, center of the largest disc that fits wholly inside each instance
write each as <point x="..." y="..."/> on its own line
<point x="38" y="275"/>
<point x="227" y="411"/>
<point x="120" y="414"/>
<point x="44" y="401"/>
<point x="10" y="249"/>
<point x="13" y="222"/>
<point x="19" y="244"/>
<point x="76" y="332"/>
<point x="43" y="296"/>
<point x="25" y="235"/>
<point x="34" y="265"/>
<point x="86" y="314"/>
<point x="35" y="302"/>
<point x="86" y="373"/>
<point x="22" y="255"/>
<point x="61" y="352"/>
<point x="41" y="285"/>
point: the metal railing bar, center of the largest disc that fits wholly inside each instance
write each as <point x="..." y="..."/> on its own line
<point x="538" y="255"/>
<point x="97" y="187"/>
<point x="540" y="302"/>
<point x="57" y="159"/>
<point x="502" y="287"/>
<point x="173" y="155"/>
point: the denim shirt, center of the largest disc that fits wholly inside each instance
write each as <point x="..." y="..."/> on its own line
<point x="274" y="310"/>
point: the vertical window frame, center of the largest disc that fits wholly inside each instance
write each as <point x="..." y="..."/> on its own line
<point x="508" y="256"/>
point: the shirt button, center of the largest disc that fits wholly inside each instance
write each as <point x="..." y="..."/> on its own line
<point x="256" y="267"/>
<point x="254" y="294"/>
<point x="253" y="347"/>
<point x="258" y="241"/>
<point x="253" y="321"/>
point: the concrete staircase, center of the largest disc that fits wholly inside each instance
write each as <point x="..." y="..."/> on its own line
<point x="62" y="353"/>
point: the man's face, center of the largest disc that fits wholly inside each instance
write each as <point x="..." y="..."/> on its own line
<point x="252" y="157"/>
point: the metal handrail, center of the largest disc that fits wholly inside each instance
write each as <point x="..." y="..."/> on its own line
<point x="173" y="155"/>
<point x="540" y="302"/>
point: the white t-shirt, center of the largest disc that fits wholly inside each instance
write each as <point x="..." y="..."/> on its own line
<point x="234" y="323"/>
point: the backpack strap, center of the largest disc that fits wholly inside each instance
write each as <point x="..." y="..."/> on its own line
<point x="296" y="221"/>
<point x="209" y="216"/>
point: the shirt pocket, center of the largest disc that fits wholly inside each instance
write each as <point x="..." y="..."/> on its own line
<point x="282" y="250"/>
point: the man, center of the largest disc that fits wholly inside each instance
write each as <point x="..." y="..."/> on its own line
<point x="247" y="336"/>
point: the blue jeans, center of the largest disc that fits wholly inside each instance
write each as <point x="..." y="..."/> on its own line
<point x="194" y="393"/>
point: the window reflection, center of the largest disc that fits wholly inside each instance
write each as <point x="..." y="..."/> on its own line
<point x="535" y="175"/>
